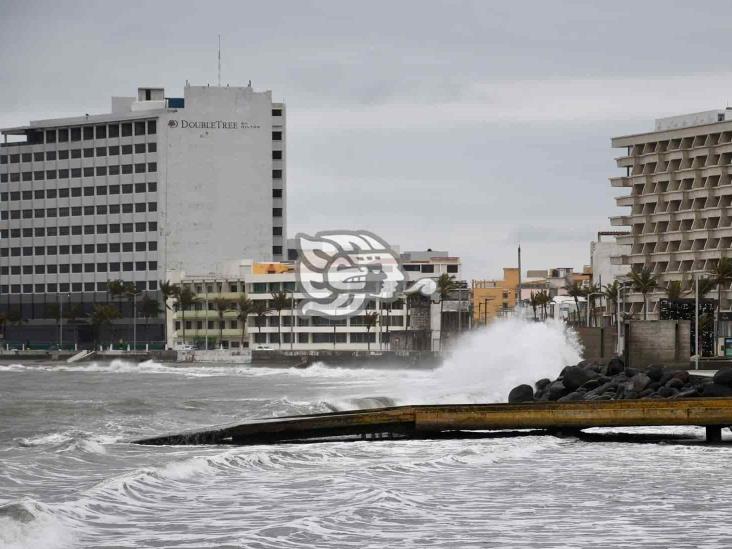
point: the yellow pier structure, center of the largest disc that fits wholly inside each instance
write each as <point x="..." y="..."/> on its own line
<point x="431" y="421"/>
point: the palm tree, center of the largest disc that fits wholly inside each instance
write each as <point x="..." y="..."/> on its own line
<point x="370" y="320"/>
<point x="612" y="294"/>
<point x="674" y="290"/>
<point x="221" y="305"/>
<point x="534" y="303"/>
<point x="280" y="300"/>
<point x="185" y="298"/>
<point x="149" y="308"/>
<point x="101" y="317"/>
<point x="116" y="289"/>
<point x="543" y="299"/>
<point x="260" y="309"/>
<point x="644" y="282"/>
<point x="445" y="284"/>
<point x="246" y="307"/>
<point x="722" y="276"/>
<point x="706" y="285"/>
<point x="169" y="291"/>
<point x="575" y="290"/>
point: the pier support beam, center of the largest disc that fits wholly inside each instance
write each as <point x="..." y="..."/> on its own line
<point x="714" y="433"/>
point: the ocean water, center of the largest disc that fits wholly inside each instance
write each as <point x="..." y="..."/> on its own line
<point x="70" y="478"/>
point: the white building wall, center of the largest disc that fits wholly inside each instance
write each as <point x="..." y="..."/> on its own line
<point x="603" y="271"/>
<point x="216" y="176"/>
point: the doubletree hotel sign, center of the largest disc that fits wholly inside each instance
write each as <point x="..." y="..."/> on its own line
<point x="213" y="124"/>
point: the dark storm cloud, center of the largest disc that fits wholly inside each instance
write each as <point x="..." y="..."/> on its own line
<point x="450" y="125"/>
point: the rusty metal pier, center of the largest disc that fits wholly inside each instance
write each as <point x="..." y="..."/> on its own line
<point x="456" y="420"/>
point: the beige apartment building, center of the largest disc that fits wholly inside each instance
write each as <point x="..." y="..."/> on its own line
<point x="679" y="195"/>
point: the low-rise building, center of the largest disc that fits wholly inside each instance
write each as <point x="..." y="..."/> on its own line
<point x="494" y="298"/>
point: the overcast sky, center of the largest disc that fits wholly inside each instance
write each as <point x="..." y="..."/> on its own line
<point x="460" y="126"/>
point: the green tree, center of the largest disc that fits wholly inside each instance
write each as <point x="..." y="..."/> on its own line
<point x="370" y="320"/>
<point x="644" y="282"/>
<point x="100" y="318"/>
<point x="612" y="295"/>
<point x="221" y="305"/>
<point x="280" y="300"/>
<point x="575" y="290"/>
<point x="116" y="289"/>
<point x="260" y="310"/>
<point x="245" y="308"/>
<point x="722" y="276"/>
<point x="149" y="308"/>
<point x="674" y="290"/>
<point x="169" y="292"/>
<point x="185" y="298"/>
<point x="445" y="284"/>
<point x="534" y="303"/>
<point x="543" y="299"/>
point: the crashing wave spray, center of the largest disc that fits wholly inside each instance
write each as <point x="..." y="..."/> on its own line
<point x="486" y="364"/>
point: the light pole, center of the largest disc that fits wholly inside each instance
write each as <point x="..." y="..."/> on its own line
<point x="696" y="321"/>
<point x="61" y="323"/>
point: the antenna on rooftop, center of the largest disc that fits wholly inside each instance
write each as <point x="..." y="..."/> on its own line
<point x="219" y="60"/>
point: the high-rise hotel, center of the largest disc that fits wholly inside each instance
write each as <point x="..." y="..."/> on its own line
<point x="159" y="183"/>
<point x="678" y="182"/>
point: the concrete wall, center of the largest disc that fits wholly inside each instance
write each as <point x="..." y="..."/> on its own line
<point x="598" y="343"/>
<point x="657" y="341"/>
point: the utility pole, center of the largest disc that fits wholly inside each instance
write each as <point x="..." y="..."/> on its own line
<point x="696" y="322"/>
<point x="61" y="323"/>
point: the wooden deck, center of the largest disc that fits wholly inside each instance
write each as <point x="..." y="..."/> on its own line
<point x="454" y="419"/>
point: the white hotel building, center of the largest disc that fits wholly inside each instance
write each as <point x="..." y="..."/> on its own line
<point x="156" y="184"/>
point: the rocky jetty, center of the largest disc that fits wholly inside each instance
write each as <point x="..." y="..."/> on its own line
<point x="611" y="380"/>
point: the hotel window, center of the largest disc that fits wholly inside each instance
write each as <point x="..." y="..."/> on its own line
<point x="101" y="151"/>
<point x="101" y="190"/>
<point x="75" y="172"/>
<point x="101" y="248"/>
<point x="114" y="267"/>
<point x="152" y="246"/>
<point x="26" y="157"/>
<point x="127" y="266"/>
<point x="51" y="250"/>
<point x="276" y="136"/>
<point x="102" y="209"/>
<point x="88" y="132"/>
<point x="38" y="194"/>
<point x="152" y="206"/>
<point x="114" y="208"/>
<point x="126" y="129"/>
<point x="3" y="178"/>
<point x="114" y="170"/>
<point x="101" y="286"/>
<point x="276" y="212"/>
<point x="50" y="174"/>
<point x="140" y="207"/>
<point x="101" y="132"/>
<point x="127" y="227"/>
<point x="113" y="130"/>
<point x="39" y="176"/>
<point x="88" y="248"/>
<point x="139" y="128"/>
<point x="428" y="268"/>
<point x="152" y="226"/>
<point x="101" y="267"/>
<point x="75" y="153"/>
<point x="88" y="267"/>
<point x="277" y="250"/>
<point x="27" y="176"/>
<point x="452" y="268"/>
<point x="63" y="174"/>
<point x="101" y="170"/>
<point x="75" y="134"/>
<point x="114" y="228"/>
<point x="126" y="208"/>
<point x="89" y="172"/>
<point x="127" y="188"/>
<point x="140" y="187"/>
<point x="114" y="150"/>
<point x="63" y="135"/>
<point x="89" y="152"/>
<point x="51" y="212"/>
<point x="152" y="265"/>
<point x="76" y="230"/>
<point x="139" y="148"/>
<point x="76" y="286"/>
<point x="50" y="155"/>
<point x="50" y="136"/>
<point x="14" y="177"/>
<point x="276" y="155"/>
<point x="51" y="231"/>
<point x="38" y="157"/>
<point x="139" y="168"/>
<point x="101" y="229"/>
<point x="63" y="212"/>
<point x="127" y="168"/>
<point x="52" y="269"/>
<point x="14" y="158"/>
<point x="140" y="246"/>
<point x="276" y="174"/>
<point x="126" y="149"/>
<point x="151" y="127"/>
<point x="152" y="147"/>
<point x="140" y="227"/>
<point x="152" y="166"/>
<point x="277" y="231"/>
<point x="114" y="247"/>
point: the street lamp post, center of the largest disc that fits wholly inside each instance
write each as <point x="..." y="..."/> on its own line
<point x="696" y="321"/>
<point x="61" y="323"/>
<point x="589" y="300"/>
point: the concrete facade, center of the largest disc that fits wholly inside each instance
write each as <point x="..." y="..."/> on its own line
<point x="157" y="183"/>
<point x="679" y="195"/>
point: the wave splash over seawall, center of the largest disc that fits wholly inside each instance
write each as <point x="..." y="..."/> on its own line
<point x="487" y="363"/>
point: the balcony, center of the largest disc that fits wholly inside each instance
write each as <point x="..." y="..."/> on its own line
<point x="620" y="221"/>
